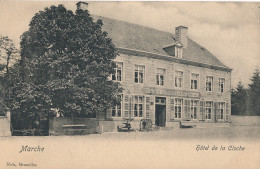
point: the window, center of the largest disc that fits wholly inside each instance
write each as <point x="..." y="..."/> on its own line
<point x="194" y="109"/>
<point x="221" y="110"/>
<point x="160" y="76"/>
<point x="117" y="109"/>
<point x="117" y="76"/>
<point x="194" y="81"/>
<point x="139" y="74"/>
<point x="178" y="79"/>
<point x="178" y="108"/>
<point x="209" y="82"/>
<point x="138" y="106"/>
<point x="221" y="85"/>
<point x="208" y="109"/>
<point x="178" y="52"/>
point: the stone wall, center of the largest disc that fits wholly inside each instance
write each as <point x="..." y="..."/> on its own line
<point x="245" y="120"/>
<point x="5" y="126"/>
<point x="56" y="126"/>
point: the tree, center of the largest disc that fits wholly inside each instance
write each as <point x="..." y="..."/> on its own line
<point x="238" y="100"/>
<point x="8" y="56"/>
<point x="255" y="92"/>
<point x="66" y="58"/>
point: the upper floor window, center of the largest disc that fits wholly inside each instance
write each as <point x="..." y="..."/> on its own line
<point x="194" y="81"/>
<point x="160" y="76"/>
<point x="117" y="109"/>
<point x="178" y="79"/>
<point x="117" y="75"/>
<point x="221" y="84"/>
<point x="209" y="82"/>
<point x="208" y="109"/>
<point x="178" y="52"/>
<point x="139" y="74"/>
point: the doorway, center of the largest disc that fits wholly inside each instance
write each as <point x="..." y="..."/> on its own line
<point x="160" y="111"/>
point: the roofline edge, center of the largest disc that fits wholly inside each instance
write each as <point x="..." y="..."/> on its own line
<point x="165" y="57"/>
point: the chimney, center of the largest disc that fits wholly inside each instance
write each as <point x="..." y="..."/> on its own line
<point x="82" y="5"/>
<point x="181" y="35"/>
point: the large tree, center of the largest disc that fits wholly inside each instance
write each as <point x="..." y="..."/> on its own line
<point x="66" y="60"/>
<point x="255" y="92"/>
<point x="8" y="57"/>
<point x="238" y="100"/>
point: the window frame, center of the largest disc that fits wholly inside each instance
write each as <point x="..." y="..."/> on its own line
<point x="221" y="83"/>
<point x="176" y="77"/>
<point x="208" y="108"/>
<point x="116" y="72"/>
<point x="178" y="52"/>
<point x="138" y="103"/>
<point x="211" y="86"/>
<point x="192" y="107"/>
<point x="138" y="74"/>
<point x="223" y="110"/>
<point x="159" y="75"/>
<point x="198" y="81"/>
<point x="115" y="107"/>
<point x="176" y="106"/>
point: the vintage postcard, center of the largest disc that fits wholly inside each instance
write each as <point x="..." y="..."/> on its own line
<point x="91" y="84"/>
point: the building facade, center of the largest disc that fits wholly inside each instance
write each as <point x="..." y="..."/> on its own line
<point x="167" y="77"/>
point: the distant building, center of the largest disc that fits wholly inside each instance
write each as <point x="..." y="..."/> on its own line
<point x="167" y="77"/>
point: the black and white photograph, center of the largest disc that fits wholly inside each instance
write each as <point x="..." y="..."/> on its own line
<point x="129" y="84"/>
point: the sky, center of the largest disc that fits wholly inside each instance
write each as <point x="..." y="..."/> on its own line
<point x="231" y="31"/>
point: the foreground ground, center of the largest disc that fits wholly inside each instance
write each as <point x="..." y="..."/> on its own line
<point x="232" y="133"/>
<point x="174" y="148"/>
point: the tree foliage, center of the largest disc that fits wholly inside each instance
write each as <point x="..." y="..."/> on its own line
<point x="66" y="60"/>
<point x="247" y="101"/>
<point x="238" y="100"/>
<point x="8" y="56"/>
<point x="255" y="92"/>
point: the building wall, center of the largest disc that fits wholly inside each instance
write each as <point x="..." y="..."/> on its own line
<point x="5" y="129"/>
<point x="169" y="91"/>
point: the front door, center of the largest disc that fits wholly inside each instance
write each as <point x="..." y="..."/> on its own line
<point x="160" y="111"/>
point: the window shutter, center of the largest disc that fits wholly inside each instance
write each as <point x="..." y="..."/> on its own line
<point x="227" y="112"/>
<point x="126" y="106"/>
<point x="201" y="110"/>
<point x="216" y="112"/>
<point x="147" y="108"/>
<point x="186" y="110"/>
<point x="109" y="113"/>
<point x="172" y="113"/>
<point x="204" y="110"/>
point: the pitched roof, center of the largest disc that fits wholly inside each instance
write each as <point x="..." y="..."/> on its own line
<point x="140" y="38"/>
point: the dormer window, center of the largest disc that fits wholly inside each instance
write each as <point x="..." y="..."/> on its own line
<point x="178" y="52"/>
<point x="174" y="50"/>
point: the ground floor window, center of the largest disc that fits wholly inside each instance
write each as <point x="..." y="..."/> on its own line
<point x="178" y="108"/>
<point x="138" y="106"/>
<point x="117" y="109"/>
<point x="221" y="110"/>
<point x="194" y="109"/>
<point x="208" y="110"/>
